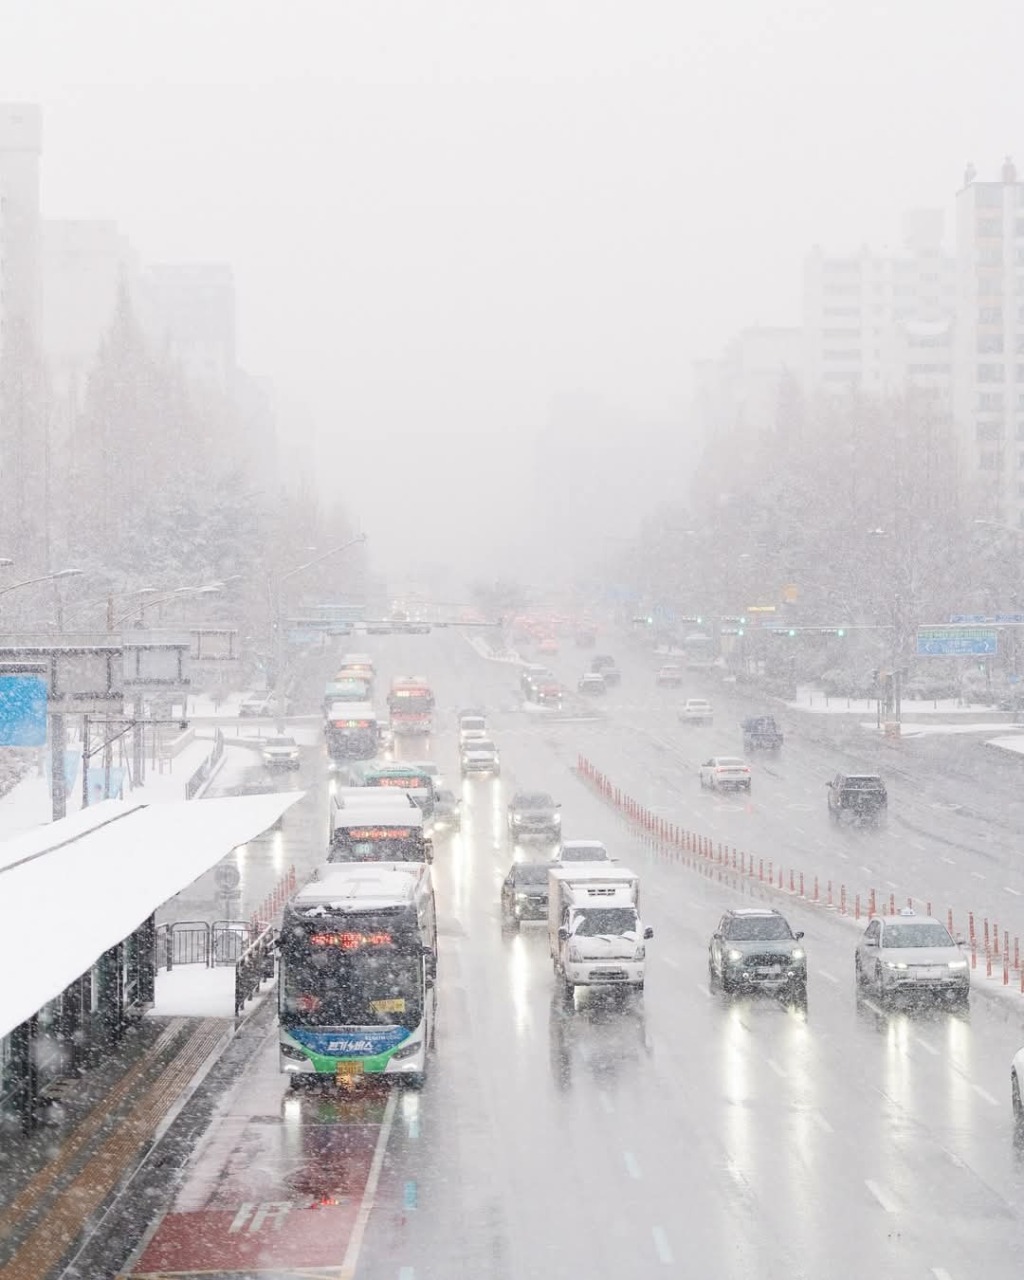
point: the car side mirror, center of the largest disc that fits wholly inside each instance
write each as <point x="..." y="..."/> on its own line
<point x="563" y="934"/>
<point x="799" y="934"/>
<point x="558" y="805"/>
<point x="648" y="933"/>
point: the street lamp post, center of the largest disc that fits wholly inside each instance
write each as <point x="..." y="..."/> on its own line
<point x="276" y="585"/>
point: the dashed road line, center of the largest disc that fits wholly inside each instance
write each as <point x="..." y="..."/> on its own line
<point x="821" y="1122"/>
<point x="1015" y="892"/>
<point x="672" y="964"/>
<point x="829" y="977"/>
<point x="887" y="1204"/>
<point x="774" y="1066"/>
<point x="606" y="1102"/>
<point x="662" y="1246"/>
<point x="977" y="875"/>
<point x="355" y="1243"/>
<point x="940" y="1273"/>
<point x="704" y="989"/>
<point x="867" y="870"/>
<point x="984" y="1093"/>
<point x="407" y="1273"/>
<point x="928" y="1048"/>
<point x="632" y="1168"/>
<point x="948" y="861"/>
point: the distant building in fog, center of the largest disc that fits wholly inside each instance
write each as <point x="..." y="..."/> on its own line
<point x="21" y="141"/>
<point x="188" y="310"/>
<point x="739" y="393"/>
<point x="881" y="322"/>
<point x="24" y="456"/>
<point x="990" y="348"/>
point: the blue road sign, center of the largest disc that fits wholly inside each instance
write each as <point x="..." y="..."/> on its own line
<point x="1000" y="619"/>
<point x="946" y="642"/>
<point x="22" y="711"/>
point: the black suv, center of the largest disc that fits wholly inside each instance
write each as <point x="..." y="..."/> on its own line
<point x="754" y="948"/>
<point x="534" y="813"/>
<point x="861" y="796"/>
<point x="524" y="893"/>
<point x="604" y="664"/>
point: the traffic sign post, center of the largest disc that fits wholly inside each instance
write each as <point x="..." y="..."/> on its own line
<point x="956" y="641"/>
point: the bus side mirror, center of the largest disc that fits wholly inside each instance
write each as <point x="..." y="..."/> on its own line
<point x="648" y="933"/>
<point x="428" y="850"/>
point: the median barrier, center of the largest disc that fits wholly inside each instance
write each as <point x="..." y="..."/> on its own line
<point x="738" y="867"/>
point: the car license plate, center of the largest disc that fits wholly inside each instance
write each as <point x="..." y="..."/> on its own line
<point x="770" y="971"/>
<point x="929" y="973"/>
<point x="347" y="1070"/>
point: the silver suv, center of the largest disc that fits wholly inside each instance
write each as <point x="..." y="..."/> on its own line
<point x="534" y="813"/>
<point x="911" y="953"/>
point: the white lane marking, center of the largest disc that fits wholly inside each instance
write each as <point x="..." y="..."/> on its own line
<point x="976" y="875"/>
<point x="632" y="1168"/>
<point x="355" y="1242"/>
<point x="829" y="977"/>
<point x="1015" y="892"/>
<point x="890" y="884"/>
<point x="940" y="1273"/>
<point x="880" y="1196"/>
<point x="948" y="861"/>
<point x="672" y="964"/>
<point x="606" y="1103"/>
<point x="704" y="989"/>
<point x="661" y="1245"/>
<point x="867" y="870"/>
<point x="407" y="1273"/>
<point x="779" y="1071"/>
<point x="984" y="1093"/>
<point x="800" y="831"/>
<point x="821" y="1122"/>
<point x="928" y="1048"/>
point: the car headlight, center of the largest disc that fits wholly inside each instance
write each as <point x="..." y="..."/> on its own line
<point x="958" y="964"/>
<point x="734" y="956"/>
<point x="558" y="819"/>
<point x="640" y="953"/>
<point x="895" y="964"/>
<point x="574" y="955"/>
<point x="521" y="897"/>
<point x="517" y="818"/>
<point x="798" y="953"/>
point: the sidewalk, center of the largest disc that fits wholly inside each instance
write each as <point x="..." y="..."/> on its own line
<point x="28" y="803"/>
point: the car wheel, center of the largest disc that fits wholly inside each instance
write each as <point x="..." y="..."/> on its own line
<point x="748" y="788"/>
<point x="879" y="984"/>
<point x="569" y="991"/>
<point x="1015" y="1099"/>
<point x="858" y="972"/>
<point x="712" y="976"/>
<point x="638" y="987"/>
<point x="798" y="993"/>
<point x="414" y="1080"/>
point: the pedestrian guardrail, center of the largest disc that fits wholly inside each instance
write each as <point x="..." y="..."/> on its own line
<point x="254" y="965"/>
<point x="181" y="942"/>
<point x="206" y="768"/>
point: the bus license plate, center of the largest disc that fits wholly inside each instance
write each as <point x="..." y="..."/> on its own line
<point x="346" y="1070"/>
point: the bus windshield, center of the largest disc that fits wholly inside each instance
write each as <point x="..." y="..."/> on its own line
<point x="377" y="844"/>
<point x="323" y="986"/>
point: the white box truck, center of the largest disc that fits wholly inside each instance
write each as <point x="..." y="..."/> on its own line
<point x="594" y="928"/>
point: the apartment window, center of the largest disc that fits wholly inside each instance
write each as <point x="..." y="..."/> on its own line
<point x="1020" y="430"/>
<point x="989" y="227"/>
<point x="990" y="343"/>
<point x="989" y="285"/>
<point x="836" y="312"/>
<point x="993" y="315"/>
<point x="852" y="354"/>
<point x="990" y="401"/>
<point x="990" y="460"/>
<point x="1020" y="401"/>
<point x="1018" y="255"/>
<point x="842" y="333"/>
<point x="992" y="255"/>
<point x="991" y="373"/>
<point x="1018" y="227"/>
<point x="841" y="290"/>
<point x="1020" y="494"/>
<point x="987" y="432"/>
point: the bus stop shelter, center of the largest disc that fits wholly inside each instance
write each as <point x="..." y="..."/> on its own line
<point x="77" y="925"/>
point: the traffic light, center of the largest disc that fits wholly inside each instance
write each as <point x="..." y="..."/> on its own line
<point x="792" y="631"/>
<point x="840" y="632"/>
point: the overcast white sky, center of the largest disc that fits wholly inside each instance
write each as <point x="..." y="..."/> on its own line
<point x="446" y="215"/>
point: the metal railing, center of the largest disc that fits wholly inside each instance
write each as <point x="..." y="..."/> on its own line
<point x="254" y="965"/>
<point x="181" y="942"/>
<point x="206" y="768"/>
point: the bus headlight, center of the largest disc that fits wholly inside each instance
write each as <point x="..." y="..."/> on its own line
<point x="407" y="1050"/>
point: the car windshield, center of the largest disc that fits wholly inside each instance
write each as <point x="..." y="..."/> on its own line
<point x="479" y="744"/>
<point x="530" y="873"/>
<point x="757" y="929"/>
<point x="926" y="934"/>
<point x="584" y="853"/>
<point x="532" y="800"/>
<point x="862" y="784"/>
<point x="280" y="742"/>
<point x="730" y="762"/>
<point x="596" y="922"/>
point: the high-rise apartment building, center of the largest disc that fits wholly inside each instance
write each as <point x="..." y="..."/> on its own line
<point x="21" y="140"/>
<point x="882" y="322"/>
<point x="990" y="350"/>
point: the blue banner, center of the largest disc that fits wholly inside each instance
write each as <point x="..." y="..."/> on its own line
<point x="357" y="1042"/>
<point x="22" y="711"/>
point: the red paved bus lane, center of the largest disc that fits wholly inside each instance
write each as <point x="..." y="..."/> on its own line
<point x="283" y="1183"/>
